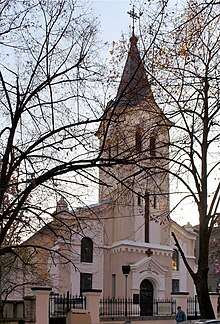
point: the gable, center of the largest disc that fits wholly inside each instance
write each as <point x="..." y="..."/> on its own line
<point x="149" y="265"/>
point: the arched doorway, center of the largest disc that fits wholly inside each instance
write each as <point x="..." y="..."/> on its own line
<point x="146" y="298"/>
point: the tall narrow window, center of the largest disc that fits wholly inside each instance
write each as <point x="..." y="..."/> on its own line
<point x="138" y="140"/>
<point x="155" y="201"/>
<point x="116" y="146"/>
<point x="139" y="200"/>
<point x="86" y="250"/>
<point x="113" y="285"/>
<point x="85" y="282"/>
<point x="109" y="151"/>
<point x="152" y="146"/>
<point x="175" y="285"/>
<point x="175" y="260"/>
<point x="146" y="216"/>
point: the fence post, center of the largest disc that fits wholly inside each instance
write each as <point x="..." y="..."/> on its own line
<point x="92" y="304"/>
<point x="42" y="304"/>
<point x="214" y="301"/>
<point x="181" y="299"/>
<point x="29" y="308"/>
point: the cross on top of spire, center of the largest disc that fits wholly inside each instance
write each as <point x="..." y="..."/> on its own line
<point x="134" y="16"/>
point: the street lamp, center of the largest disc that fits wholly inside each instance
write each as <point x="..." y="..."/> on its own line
<point x="126" y="270"/>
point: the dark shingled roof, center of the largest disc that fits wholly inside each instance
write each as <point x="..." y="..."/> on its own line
<point x="134" y="86"/>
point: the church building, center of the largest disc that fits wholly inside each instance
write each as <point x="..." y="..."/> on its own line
<point x="123" y="244"/>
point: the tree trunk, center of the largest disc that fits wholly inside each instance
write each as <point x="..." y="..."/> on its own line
<point x="1" y="309"/>
<point x="200" y="278"/>
<point x="201" y="283"/>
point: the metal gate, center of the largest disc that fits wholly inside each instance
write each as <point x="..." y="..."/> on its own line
<point x="59" y="305"/>
<point x="193" y="311"/>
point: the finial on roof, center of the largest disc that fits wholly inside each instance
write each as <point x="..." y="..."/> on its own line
<point x="133" y="41"/>
<point x="134" y="16"/>
<point x="62" y="205"/>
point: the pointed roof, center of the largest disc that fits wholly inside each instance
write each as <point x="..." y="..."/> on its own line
<point x="134" y="86"/>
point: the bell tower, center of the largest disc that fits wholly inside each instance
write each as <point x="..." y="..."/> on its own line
<point x="134" y="135"/>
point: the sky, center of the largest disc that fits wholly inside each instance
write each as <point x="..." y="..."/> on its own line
<point x="113" y="17"/>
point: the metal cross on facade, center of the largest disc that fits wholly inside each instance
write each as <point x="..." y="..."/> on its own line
<point x="149" y="252"/>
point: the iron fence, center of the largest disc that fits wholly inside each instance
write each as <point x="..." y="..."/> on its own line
<point x="59" y="305"/>
<point x="193" y="310"/>
<point x="122" y="307"/>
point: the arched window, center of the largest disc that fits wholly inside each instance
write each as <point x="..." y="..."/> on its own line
<point x="175" y="260"/>
<point x="86" y="250"/>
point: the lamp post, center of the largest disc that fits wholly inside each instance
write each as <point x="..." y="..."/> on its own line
<point x="126" y="270"/>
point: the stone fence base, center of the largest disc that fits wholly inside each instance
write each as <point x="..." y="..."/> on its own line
<point x="35" y="310"/>
<point x="30" y="310"/>
<point x="19" y="312"/>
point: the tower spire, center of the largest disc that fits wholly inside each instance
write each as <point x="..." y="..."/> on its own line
<point x="134" y="87"/>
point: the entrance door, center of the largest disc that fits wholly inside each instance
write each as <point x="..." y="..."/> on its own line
<point x="146" y="298"/>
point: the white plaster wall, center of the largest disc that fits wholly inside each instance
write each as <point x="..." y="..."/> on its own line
<point x="95" y="232"/>
<point x="154" y="232"/>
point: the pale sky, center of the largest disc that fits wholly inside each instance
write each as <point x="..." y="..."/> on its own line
<point x="113" y="17"/>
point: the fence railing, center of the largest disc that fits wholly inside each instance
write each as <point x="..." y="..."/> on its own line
<point x="193" y="307"/>
<point x="59" y="305"/>
<point x="122" y="307"/>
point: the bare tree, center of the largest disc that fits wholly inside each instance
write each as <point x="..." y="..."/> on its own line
<point x="184" y="65"/>
<point x="49" y="116"/>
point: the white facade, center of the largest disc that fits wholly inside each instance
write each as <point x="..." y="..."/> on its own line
<point x="131" y="226"/>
